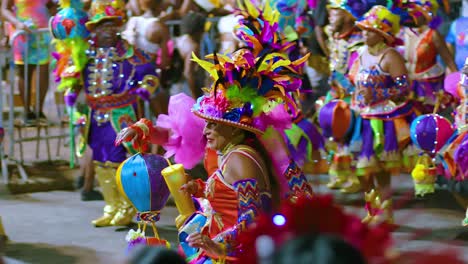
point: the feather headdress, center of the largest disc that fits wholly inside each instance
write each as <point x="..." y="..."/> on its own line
<point x="252" y="87"/>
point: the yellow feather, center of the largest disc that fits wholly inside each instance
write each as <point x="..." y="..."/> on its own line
<point x="280" y="64"/>
<point x="207" y="66"/>
<point x="301" y="60"/>
<point x="267" y="11"/>
<point x="252" y="9"/>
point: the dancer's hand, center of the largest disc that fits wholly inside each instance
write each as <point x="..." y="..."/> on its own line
<point x="126" y="135"/>
<point x="198" y="240"/>
<point x="191" y="187"/>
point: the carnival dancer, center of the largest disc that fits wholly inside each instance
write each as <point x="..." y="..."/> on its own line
<point x="382" y="87"/>
<point x="344" y="39"/>
<point x="456" y="154"/>
<point x="303" y="138"/>
<point x="422" y="45"/>
<point x="113" y="78"/>
<point x="244" y="109"/>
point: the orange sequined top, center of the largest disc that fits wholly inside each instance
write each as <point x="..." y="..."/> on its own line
<point x="221" y="199"/>
<point x="422" y="55"/>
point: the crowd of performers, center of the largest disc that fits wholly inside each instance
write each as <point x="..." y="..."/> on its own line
<point x="249" y="127"/>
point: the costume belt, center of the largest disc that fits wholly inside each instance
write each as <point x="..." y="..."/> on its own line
<point x="110" y="102"/>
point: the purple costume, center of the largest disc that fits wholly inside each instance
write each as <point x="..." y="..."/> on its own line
<point x="114" y="78"/>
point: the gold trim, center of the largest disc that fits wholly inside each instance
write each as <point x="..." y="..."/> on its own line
<point x="229" y="123"/>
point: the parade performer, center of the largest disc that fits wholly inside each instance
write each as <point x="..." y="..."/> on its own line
<point x="245" y="107"/>
<point x="113" y="78"/>
<point x="304" y="141"/>
<point x="382" y="86"/>
<point x="456" y="154"/>
<point x="344" y="39"/>
<point x="422" y="45"/>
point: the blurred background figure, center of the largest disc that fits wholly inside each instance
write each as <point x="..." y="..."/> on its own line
<point x="28" y="16"/>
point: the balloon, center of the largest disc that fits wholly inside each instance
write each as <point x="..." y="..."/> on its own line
<point x="431" y="132"/>
<point x="452" y="84"/>
<point x="140" y="179"/>
<point x="69" y="23"/>
<point x="336" y="119"/>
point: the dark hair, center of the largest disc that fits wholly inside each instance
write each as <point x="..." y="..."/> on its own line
<point x="252" y="141"/>
<point x="317" y="249"/>
<point x="193" y="23"/>
<point x="155" y="255"/>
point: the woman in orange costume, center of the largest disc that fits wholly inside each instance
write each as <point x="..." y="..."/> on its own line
<point x="241" y="124"/>
<point x="423" y="44"/>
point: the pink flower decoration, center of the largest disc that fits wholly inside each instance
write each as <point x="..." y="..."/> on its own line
<point x="110" y="11"/>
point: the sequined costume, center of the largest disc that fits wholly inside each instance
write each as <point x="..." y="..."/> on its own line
<point x="218" y="201"/>
<point x="425" y="72"/>
<point x="385" y="121"/>
<point x="343" y="51"/>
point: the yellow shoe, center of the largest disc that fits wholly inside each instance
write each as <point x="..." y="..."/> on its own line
<point x="384" y="213"/>
<point x="103" y="221"/>
<point x="354" y="187"/>
<point x="372" y="204"/>
<point x="123" y="217"/>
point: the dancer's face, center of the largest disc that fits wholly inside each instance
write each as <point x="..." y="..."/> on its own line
<point x="218" y="136"/>
<point x="337" y="18"/>
<point x="372" y="38"/>
<point x="107" y="34"/>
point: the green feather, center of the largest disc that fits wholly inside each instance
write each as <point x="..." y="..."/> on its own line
<point x="244" y="95"/>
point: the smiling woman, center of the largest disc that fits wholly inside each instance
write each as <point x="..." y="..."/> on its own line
<point x="246" y="110"/>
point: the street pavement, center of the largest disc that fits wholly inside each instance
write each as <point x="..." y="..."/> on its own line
<point x="54" y="227"/>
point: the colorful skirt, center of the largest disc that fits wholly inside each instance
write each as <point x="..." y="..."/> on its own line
<point x="32" y="49"/>
<point x="384" y="136"/>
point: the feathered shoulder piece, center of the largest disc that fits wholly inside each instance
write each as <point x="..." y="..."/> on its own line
<point x="252" y="87"/>
<point x="315" y="216"/>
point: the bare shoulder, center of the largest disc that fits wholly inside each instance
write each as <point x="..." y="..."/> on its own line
<point x="240" y="166"/>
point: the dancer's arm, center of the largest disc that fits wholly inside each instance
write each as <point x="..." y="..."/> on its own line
<point x="9" y="15"/>
<point x="444" y="52"/>
<point x="242" y="173"/>
<point x="143" y="131"/>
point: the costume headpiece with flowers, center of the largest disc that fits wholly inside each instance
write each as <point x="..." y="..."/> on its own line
<point x="411" y="11"/>
<point x="381" y="20"/>
<point x="106" y="10"/>
<point x="252" y="87"/>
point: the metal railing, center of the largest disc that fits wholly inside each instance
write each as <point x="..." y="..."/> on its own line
<point x="7" y="56"/>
